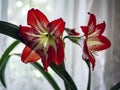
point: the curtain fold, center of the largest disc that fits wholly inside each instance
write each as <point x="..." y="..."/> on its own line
<point x="3" y="16"/>
<point x="112" y="63"/>
<point x="4" y="10"/>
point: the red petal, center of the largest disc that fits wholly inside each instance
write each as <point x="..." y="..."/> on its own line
<point x="106" y="43"/>
<point x="91" y="23"/>
<point x="57" y="57"/>
<point x="52" y="56"/>
<point x="45" y="62"/>
<point x="101" y="27"/>
<point x="72" y="32"/>
<point x="29" y="35"/>
<point x="85" y="30"/>
<point x="60" y="51"/>
<point x="92" y="60"/>
<point x="95" y="30"/>
<point x="29" y="55"/>
<point x="99" y="43"/>
<point x="92" y="19"/>
<point x="37" y="19"/>
<point x="56" y="27"/>
<point x="24" y="30"/>
<point x="98" y="30"/>
<point x="87" y="55"/>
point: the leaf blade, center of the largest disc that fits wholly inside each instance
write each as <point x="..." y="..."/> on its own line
<point x="116" y="87"/>
<point x="64" y="75"/>
<point x="10" y="30"/>
<point x="2" y="73"/>
<point x="4" y="61"/>
<point x="46" y="75"/>
<point x="6" y="53"/>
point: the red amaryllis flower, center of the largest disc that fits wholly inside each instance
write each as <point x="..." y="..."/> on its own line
<point x="43" y="38"/>
<point x="94" y="40"/>
<point x="72" y="32"/>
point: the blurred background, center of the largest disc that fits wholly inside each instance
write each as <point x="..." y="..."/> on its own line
<point x="20" y="76"/>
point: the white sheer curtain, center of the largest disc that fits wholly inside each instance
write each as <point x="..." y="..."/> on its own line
<point x="3" y="16"/>
<point x="74" y="12"/>
<point x="112" y="63"/>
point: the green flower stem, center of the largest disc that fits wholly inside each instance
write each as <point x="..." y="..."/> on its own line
<point x="67" y="87"/>
<point x="67" y="29"/>
<point x="89" y="75"/>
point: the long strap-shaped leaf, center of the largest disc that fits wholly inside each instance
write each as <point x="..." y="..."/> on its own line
<point x="13" y="32"/>
<point x="46" y="75"/>
<point x="116" y="87"/>
<point x="10" y="30"/>
<point x="6" y="53"/>
<point x="4" y="60"/>
<point x="64" y="75"/>
<point x="2" y="71"/>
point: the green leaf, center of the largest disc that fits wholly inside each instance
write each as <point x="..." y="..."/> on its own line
<point x="116" y="87"/>
<point x="64" y="75"/>
<point x="74" y="39"/>
<point x="67" y="87"/>
<point x="4" y="60"/>
<point x="46" y="75"/>
<point x="2" y="72"/>
<point x="6" y="53"/>
<point x="10" y="30"/>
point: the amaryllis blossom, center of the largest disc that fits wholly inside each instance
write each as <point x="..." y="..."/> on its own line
<point x="94" y="40"/>
<point x="43" y="38"/>
<point x="73" y="35"/>
<point x="72" y="32"/>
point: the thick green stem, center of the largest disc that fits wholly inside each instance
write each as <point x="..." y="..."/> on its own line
<point x="67" y="87"/>
<point x="89" y="75"/>
<point x="64" y="75"/>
